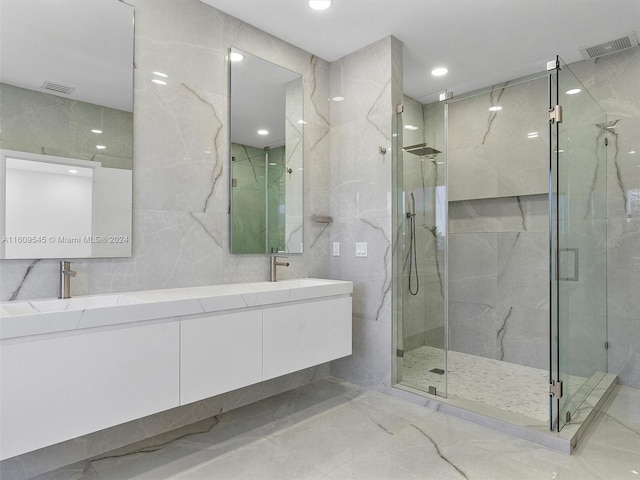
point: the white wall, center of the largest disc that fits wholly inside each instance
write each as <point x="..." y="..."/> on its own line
<point x="52" y="209"/>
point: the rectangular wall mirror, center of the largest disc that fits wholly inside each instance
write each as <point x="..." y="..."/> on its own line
<point x="66" y="128"/>
<point x="266" y="136"/>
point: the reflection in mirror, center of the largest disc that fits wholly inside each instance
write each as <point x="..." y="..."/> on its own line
<point x="57" y="207"/>
<point x="266" y="117"/>
<point x="66" y="98"/>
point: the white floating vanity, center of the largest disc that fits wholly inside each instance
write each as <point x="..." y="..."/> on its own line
<point x="75" y="366"/>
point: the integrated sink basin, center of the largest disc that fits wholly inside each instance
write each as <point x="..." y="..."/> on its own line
<point x="38" y="317"/>
<point x="66" y="304"/>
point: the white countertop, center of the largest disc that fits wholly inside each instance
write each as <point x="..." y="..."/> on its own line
<point x="37" y="317"/>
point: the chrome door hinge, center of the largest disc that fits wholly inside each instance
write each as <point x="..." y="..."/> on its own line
<point x="399" y="108"/>
<point x="555" y="388"/>
<point x="606" y="345"/>
<point x="555" y="114"/>
<point x="400" y="353"/>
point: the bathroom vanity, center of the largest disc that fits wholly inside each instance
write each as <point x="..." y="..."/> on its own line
<point x="75" y="366"/>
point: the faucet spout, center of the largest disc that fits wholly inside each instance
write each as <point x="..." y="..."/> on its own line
<point x="65" y="279"/>
<point x="274" y="263"/>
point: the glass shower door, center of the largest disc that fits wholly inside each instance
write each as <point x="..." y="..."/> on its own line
<point x="419" y="256"/>
<point x="578" y="229"/>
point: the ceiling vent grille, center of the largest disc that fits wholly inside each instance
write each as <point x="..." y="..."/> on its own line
<point x="56" y="87"/>
<point x="628" y="41"/>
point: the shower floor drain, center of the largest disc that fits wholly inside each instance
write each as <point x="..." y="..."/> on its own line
<point x="439" y="371"/>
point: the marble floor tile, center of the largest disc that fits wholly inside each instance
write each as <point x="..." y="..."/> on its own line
<point x="352" y="433"/>
<point x="259" y="460"/>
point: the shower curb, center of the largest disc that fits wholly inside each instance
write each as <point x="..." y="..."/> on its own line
<point x="564" y="441"/>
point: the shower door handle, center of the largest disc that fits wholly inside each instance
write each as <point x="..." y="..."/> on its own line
<point x="562" y="260"/>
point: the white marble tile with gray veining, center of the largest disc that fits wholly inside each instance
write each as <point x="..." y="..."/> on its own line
<point x="528" y="213"/>
<point x="473" y="268"/>
<point x="336" y="430"/>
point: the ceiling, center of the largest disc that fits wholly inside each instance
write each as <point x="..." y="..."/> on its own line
<point x="258" y="99"/>
<point x="481" y="42"/>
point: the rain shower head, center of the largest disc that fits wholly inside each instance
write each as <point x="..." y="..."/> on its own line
<point x="422" y="150"/>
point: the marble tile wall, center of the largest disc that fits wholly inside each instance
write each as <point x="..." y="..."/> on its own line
<point x="498" y="279"/>
<point x="613" y="82"/>
<point x="181" y="173"/>
<point x="479" y="165"/>
<point x="181" y="196"/>
<point x="28" y="116"/>
<point x="370" y="80"/>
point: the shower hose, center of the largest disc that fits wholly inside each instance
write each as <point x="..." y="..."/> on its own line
<point x="413" y="257"/>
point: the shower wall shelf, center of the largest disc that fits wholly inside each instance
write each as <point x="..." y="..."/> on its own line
<point x="321" y="218"/>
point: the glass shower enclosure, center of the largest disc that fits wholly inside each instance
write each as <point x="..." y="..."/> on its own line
<point x="578" y="238"/>
<point x="500" y="221"/>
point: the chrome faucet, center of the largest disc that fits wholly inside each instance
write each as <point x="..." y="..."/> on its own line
<point x="272" y="267"/>
<point x="65" y="279"/>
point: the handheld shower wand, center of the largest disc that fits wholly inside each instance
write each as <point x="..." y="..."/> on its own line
<point x="413" y="257"/>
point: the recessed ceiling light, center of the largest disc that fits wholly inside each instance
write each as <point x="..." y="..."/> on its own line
<point x="95" y="130"/>
<point x="410" y="127"/>
<point x="160" y="74"/>
<point x="320" y="4"/>
<point x="495" y="108"/>
<point x="236" y="57"/>
<point x="631" y="152"/>
<point x="73" y="171"/>
<point x="611" y="127"/>
<point x="438" y="72"/>
<point x="272" y="163"/>
<point x="573" y="91"/>
<point x="302" y="122"/>
<point x="100" y="147"/>
<point x="337" y="99"/>
<point x="532" y="135"/>
<point x="159" y="82"/>
<point x="263" y="132"/>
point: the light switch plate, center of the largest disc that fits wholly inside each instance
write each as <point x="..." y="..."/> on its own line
<point x="361" y="249"/>
<point x="336" y="249"/>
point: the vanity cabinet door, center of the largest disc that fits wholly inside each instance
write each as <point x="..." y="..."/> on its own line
<point x="58" y="388"/>
<point x="306" y="334"/>
<point x="219" y="353"/>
